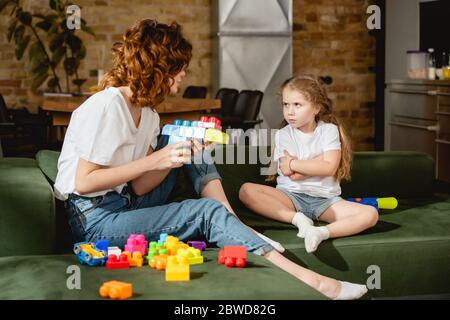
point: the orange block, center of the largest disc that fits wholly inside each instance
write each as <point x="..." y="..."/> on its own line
<point x="116" y="290"/>
<point x="158" y="262"/>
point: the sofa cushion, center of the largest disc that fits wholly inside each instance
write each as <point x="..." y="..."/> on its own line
<point x="27" y="214"/>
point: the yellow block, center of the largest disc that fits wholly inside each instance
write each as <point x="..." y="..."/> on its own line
<point x="193" y="255"/>
<point x="217" y="136"/>
<point x="177" y="270"/>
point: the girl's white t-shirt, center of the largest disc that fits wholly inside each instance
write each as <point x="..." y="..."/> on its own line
<point x="306" y="146"/>
<point x="102" y="131"/>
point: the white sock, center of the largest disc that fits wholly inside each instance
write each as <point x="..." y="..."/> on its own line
<point x="301" y="222"/>
<point x="277" y="246"/>
<point x="351" y="291"/>
<point x="314" y="236"/>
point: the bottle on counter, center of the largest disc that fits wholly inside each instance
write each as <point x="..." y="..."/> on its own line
<point x="431" y="68"/>
<point x="445" y="66"/>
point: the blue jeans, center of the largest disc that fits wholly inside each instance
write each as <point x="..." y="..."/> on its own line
<point x="115" y="216"/>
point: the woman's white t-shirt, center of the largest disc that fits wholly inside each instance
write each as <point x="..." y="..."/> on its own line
<point x="102" y="131"/>
<point x="306" y="146"/>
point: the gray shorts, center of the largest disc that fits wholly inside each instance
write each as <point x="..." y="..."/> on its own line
<point x="310" y="206"/>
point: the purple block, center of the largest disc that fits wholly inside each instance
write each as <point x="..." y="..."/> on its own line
<point x="200" y="245"/>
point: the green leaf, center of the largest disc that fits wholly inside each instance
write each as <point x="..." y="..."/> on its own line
<point x="70" y="65"/>
<point x="58" y="55"/>
<point x="86" y="29"/>
<point x="21" y="47"/>
<point x="18" y="34"/>
<point x="4" y="4"/>
<point x="11" y="29"/>
<point x="79" y="82"/>
<point x="57" y="41"/>
<point x="38" y="79"/>
<point x="56" y="5"/>
<point x="40" y="68"/>
<point x="81" y="54"/>
<point x="52" y="82"/>
<point x="25" y="17"/>
<point x="44" y="25"/>
<point x="40" y="16"/>
<point x="74" y="42"/>
<point x="35" y="51"/>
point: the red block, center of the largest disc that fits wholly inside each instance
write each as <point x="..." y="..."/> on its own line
<point x="233" y="256"/>
<point x="117" y="263"/>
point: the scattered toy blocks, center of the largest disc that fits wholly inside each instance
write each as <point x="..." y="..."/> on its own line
<point x="173" y="244"/>
<point x="193" y="255"/>
<point x="88" y="254"/>
<point x="177" y="270"/>
<point x="136" y="242"/>
<point x="115" y="262"/>
<point x="201" y="245"/>
<point x="207" y="129"/>
<point x="158" y="262"/>
<point x="233" y="256"/>
<point x="116" y="290"/>
<point x="114" y="250"/>
<point x="102" y="245"/>
<point x="135" y="259"/>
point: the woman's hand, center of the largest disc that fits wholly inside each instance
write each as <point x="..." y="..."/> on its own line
<point x="173" y="155"/>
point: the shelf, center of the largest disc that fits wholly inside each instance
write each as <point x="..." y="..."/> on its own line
<point x="442" y="141"/>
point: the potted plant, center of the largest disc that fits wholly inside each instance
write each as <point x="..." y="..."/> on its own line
<point x="49" y="42"/>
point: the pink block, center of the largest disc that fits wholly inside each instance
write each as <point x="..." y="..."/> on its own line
<point x="137" y="242"/>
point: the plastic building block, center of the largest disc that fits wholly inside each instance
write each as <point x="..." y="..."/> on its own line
<point x="158" y="262"/>
<point x="207" y="129"/>
<point x="200" y="245"/>
<point x="377" y="203"/>
<point x="88" y="254"/>
<point x="193" y="255"/>
<point x="173" y="244"/>
<point x="115" y="262"/>
<point x="114" y="250"/>
<point x="162" y="237"/>
<point x="233" y="256"/>
<point x="177" y="270"/>
<point x="116" y="290"/>
<point x="135" y="259"/>
<point x="102" y="245"/>
<point x="136" y="242"/>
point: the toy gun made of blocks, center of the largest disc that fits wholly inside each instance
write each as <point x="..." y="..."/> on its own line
<point x="207" y="129"/>
<point x="378" y="203"/>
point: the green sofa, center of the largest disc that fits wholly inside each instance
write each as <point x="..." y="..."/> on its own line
<point x="410" y="246"/>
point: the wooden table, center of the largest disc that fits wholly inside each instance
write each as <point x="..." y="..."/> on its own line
<point x="60" y="108"/>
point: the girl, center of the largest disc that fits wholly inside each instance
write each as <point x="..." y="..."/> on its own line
<point x="115" y="175"/>
<point x="314" y="154"/>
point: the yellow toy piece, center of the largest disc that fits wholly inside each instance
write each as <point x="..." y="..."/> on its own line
<point x="158" y="262"/>
<point x="193" y="255"/>
<point x="89" y="249"/>
<point x="387" y="203"/>
<point x="116" y="290"/>
<point x="173" y="244"/>
<point x="177" y="269"/>
<point x="217" y="136"/>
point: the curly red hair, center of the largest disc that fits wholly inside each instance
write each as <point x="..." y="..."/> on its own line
<point x="147" y="59"/>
